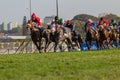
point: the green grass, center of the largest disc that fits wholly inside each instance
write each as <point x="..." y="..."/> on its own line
<point x="86" y="65"/>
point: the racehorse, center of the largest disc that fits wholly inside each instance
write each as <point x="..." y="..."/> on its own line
<point x="114" y="38"/>
<point x="77" y="39"/>
<point x="91" y="35"/>
<point x="118" y="33"/>
<point x="52" y="38"/>
<point x="36" y="35"/>
<point x="58" y="38"/>
<point x="69" y="37"/>
<point x="104" y="36"/>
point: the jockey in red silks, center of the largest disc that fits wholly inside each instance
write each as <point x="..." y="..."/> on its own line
<point x="70" y="25"/>
<point x="103" y="22"/>
<point x="36" y="20"/>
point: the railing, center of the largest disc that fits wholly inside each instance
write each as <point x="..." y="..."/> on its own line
<point x="23" y="44"/>
<point x="11" y="44"/>
<point x="20" y="44"/>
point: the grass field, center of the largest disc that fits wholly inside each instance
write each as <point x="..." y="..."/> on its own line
<point x="85" y="65"/>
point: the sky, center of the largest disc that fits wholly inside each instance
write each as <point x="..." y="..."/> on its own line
<point x="14" y="10"/>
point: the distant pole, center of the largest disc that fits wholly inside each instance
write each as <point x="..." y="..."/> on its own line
<point x="30" y="8"/>
<point x="57" y="7"/>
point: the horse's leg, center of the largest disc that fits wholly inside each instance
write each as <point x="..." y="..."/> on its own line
<point x="90" y="42"/>
<point x="118" y="39"/>
<point x="111" y="42"/>
<point x="80" y="45"/>
<point x="103" y="47"/>
<point x="60" y="46"/>
<point x="35" y="42"/>
<point x="87" y="44"/>
<point x="69" y="44"/>
<point x="80" y="41"/>
<point x="97" y="43"/>
<point x="115" y="43"/>
<point x="56" y="42"/>
<point x="77" y="43"/>
<point x="46" y="44"/>
<point x="100" y="44"/>
<point x="40" y="46"/>
<point x="103" y="44"/>
<point x="55" y="47"/>
<point x="108" y="45"/>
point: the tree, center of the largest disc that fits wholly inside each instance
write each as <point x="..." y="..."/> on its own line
<point x="85" y="17"/>
<point x="112" y="16"/>
<point x="25" y="32"/>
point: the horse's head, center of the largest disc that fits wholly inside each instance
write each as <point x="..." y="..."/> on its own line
<point x="29" y="25"/>
<point x="87" y="27"/>
<point x="101" y="27"/>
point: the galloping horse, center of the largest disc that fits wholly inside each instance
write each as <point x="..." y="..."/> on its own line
<point x="68" y="37"/>
<point x="57" y="38"/>
<point x="36" y="34"/>
<point x="77" y="39"/>
<point x="91" y="35"/>
<point x="52" y="38"/>
<point x="104" y="36"/>
<point x="114" y="37"/>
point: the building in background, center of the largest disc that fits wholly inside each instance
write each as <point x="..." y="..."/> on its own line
<point x="4" y="26"/>
<point x="8" y="26"/>
<point x="12" y="25"/>
<point x="48" y="19"/>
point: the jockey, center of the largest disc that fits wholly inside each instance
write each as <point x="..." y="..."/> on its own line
<point x="61" y="21"/>
<point x="90" y="24"/>
<point x="62" y="24"/>
<point x="113" y="23"/>
<point x="56" y="20"/>
<point x="70" y="25"/>
<point x="36" y="20"/>
<point x="104" y="23"/>
<point x="51" y="26"/>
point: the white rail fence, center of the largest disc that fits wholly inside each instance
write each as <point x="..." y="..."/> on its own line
<point x="20" y="44"/>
